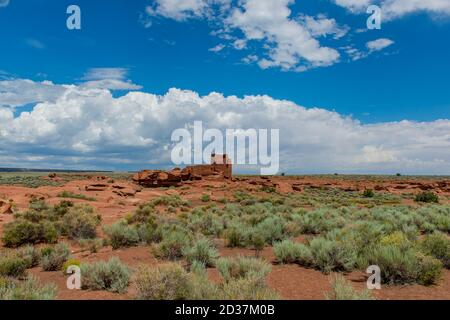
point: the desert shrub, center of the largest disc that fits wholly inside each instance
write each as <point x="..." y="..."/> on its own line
<point x="164" y="282"/>
<point x="319" y="221"/>
<point x="257" y="241"/>
<point x="368" y="193"/>
<point x="30" y="254"/>
<point x="93" y="245"/>
<point x="68" y="263"/>
<point x="201" y="251"/>
<point x="144" y="213"/>
<point x="398" y="239"/>
<point x="149" y="232"/>
<point x="200" y="287"/>
<point x="404" y="266"/>
<point x="38" y="205"/>
<point x="430" y="270"/>
<point x="289" y="252"/>
<point x="271" y="229"/>
<point x="80" y="222"/>
<point x="60" y="209"/>
<point x="68" y="194"/>
<point x="242" y="267"/>
<point x="12" y="265"/>
<point x="237" y="235"/>
<point x="54" y="258"/>
<point x="427" y="196"/>
<point x="19" y="232"/>
<point x="111" y="276"/>
<point x="172" y="244"/>
<point x="30" y="289"/>
<point x="331" y="255"/>
<point x="248" y="288"/>
<point x="205" y="223"/>
<point x="205" y="198"/>
<point x="172" y="200"/>
<point x="341" y="290"/>
<point x="121" y="234"/>
<point x="437" y="245"/>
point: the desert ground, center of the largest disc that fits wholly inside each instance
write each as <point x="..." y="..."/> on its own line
<point x="277" y="221"/>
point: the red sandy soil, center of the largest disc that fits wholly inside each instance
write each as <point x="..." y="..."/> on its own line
<point x="290" y="281"/>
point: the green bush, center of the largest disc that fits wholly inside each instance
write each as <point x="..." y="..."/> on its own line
<point x="205" y="198"/>
<point x="111" y="276"/>
<point x="93" y="245"/>
<point x="430" y="270"/>
<point x="242" y="267"/>
<point x="172" y="244"/>
<point x="19" y="232"/>
<point x="53" y="259"/>
<point x="68" y="263"/>
<point x="80" y="222"/>
<point x="249" y="288"/>
<point x="404" y="266"/>
<point x="12" y="265"/>
<point x="438" y="246"/>
<point x="237" y="235"/>
<point x="332" y="256"/>
<point x="31" y="255"/>
<point x="172" y="200"/>
<point x="149" y="232"/>
<point x="121" y="234"/>
<point x="144" y="213"/>
<point x="426" y="196"/>
<point x="164" y="282"/>
<point x="38" y="205"/>
<point x="289" y="252"/>
<point x="68" y="194"/>
<point x="201" y="251"/>
<point x="200" y="287"/>
<point x="257" y="241"/>
<point x="272" y="229"/>
<point x="368" y="193"/>
<point x="341" y="290"/>
<point x="30" y="289"/>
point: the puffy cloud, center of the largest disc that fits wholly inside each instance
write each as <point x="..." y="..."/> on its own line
<point x="322" y="26"/>
<point x="379" y="44"/>
<point x="108" y="78"/>
<point x="289" y="42"/>
<point x="292" y="45"/>
<point x="354" y="5"/>
<point x="18" y="92"/>
<point x="105" y="73"/>
<point x="90" y="128"/>
<point x="184" y="9"/>
<point x="217" y="48"/>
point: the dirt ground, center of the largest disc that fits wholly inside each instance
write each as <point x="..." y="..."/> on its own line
<point x="290" y="281"/>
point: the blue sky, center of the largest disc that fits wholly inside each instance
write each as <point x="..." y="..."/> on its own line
<point x="408" y="80"/>
<point x="158" y="48"/>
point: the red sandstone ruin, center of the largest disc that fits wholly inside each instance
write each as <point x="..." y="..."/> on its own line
<point x="220" y="167"/>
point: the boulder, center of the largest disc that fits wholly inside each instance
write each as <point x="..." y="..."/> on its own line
<point x="96" y="187"/>
<point x="127" y="192"/>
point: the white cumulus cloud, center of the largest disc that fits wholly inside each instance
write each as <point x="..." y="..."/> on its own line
<point x="379" y="44"/>
<point x="90" y="128"/>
